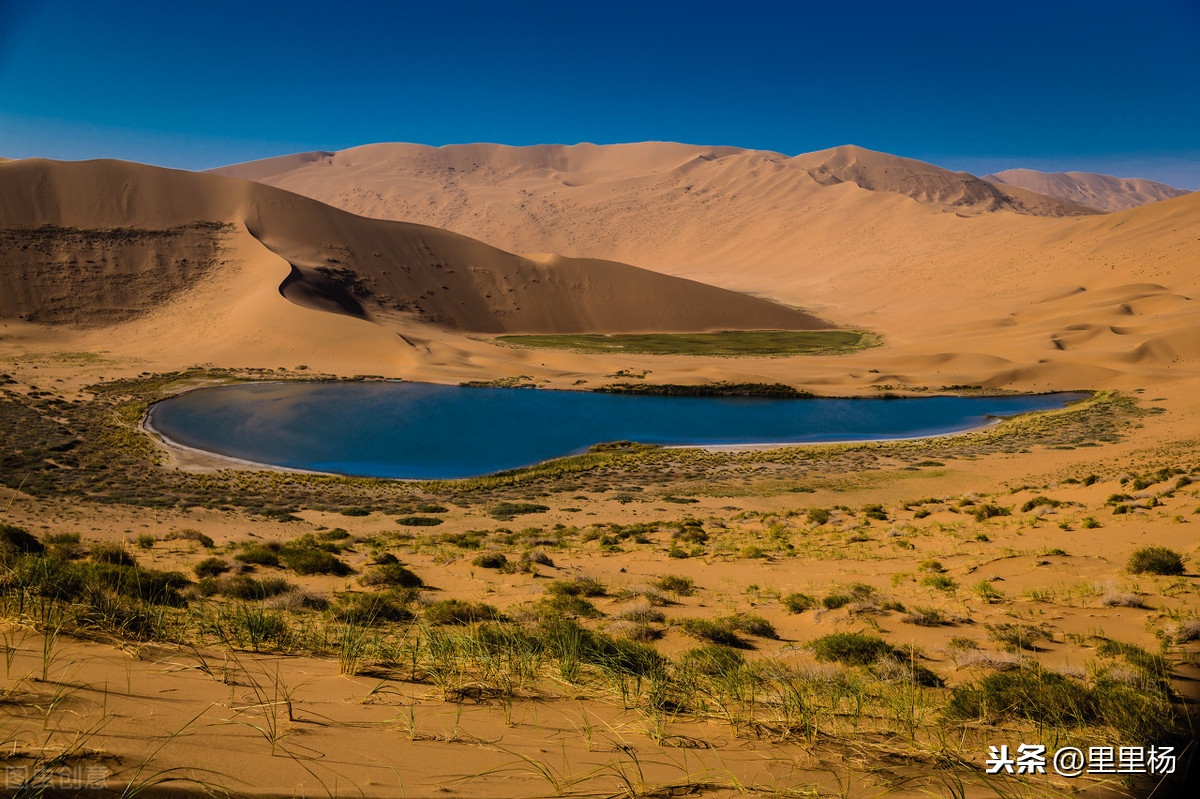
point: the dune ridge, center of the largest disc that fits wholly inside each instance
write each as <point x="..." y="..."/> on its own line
<point x="959" y="293"/>
<point x="1101" y="192"/>
<point x="98" y="230"/>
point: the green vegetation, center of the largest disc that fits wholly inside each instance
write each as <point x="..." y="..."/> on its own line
<point x="1155" y="560"/>
<point x="854" y="649"/>
<point x="729" y="343"/>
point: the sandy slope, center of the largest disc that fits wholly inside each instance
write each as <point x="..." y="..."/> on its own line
<point x="966" y="285"/>
<point x="1102" y="192"/>
<point x="217" y="287"/>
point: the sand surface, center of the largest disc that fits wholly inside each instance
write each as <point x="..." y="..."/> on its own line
<point x="150" y="270"/>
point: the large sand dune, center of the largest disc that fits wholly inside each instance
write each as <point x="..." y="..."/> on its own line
<point x="967" y="284"/>
<point x="1102" y="192"/>
<point x="986" y="283"/>
<point x="208" y="258"/>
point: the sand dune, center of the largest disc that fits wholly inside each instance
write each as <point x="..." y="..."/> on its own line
<point x="1102" y="192"/>
<point x="967" y="284"/>
<point x="100" y="242"/>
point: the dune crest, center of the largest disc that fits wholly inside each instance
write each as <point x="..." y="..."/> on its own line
<point x="1102" y="192"/>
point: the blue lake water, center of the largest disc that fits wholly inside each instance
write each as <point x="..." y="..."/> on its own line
<point x="420" y="430"/>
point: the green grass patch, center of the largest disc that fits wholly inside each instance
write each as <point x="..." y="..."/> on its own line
<point x="728" y="343"/>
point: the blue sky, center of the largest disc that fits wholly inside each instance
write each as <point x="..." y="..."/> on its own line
<point x="1054" y="85"/>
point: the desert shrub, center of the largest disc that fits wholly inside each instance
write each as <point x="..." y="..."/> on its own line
<point x="1014" y="637"/>
<point x="17" y="540"/>
<point x="643" y="613"/>
<point x="306" y="560"/>
<point x="751" y="625"/>
<point x="690" y="534"/>
<point x="570" y="644"/>
<point x="1155" y="560"/>
<point x="854" y="649"/>
<point x="716" y="631"/>
<point x="190" y="534"/>
<point x="145" y="541"/>
<point x="1039" y="502"/>
<point x="675" y="584"/>
<point x="419" y="521"/>
<point x="146" y="585"/>
<point x="940" y="582"/>
<point x="245" y="588"/>
<point x="818" y="516"/>
<point x="336" y="534"/>
<point x="431" y="507"/>
<point x="457" y="611"/>
<point x="932" y="566"/>
<point x="490" y="560"/>
<point x="393" y="575"/>
<point x="507" y="510"/>
<point x="1089" y="523"/>
<point x="211" y="567"/>
<point x="566" y="605"/>
<point x="987" y="592"/>
<point x="1048" y="698"/>
<point x="924" y="617"/>
<point x="113" y="554"/>
<point x="259" y="554"/>
<point x="798" y="603"/>
<point x="875" y="512"/>
<point x="714" y="659"/>
<point x="355" y="512"/>
<point x="580" y="586"/>
<point x="989" y="511"/>
<point x="538" y="557"/>
<point x="835" y="601"/>
<point x="373" y="608"/>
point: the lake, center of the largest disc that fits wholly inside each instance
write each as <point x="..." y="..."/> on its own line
<point x="426" y="431"/>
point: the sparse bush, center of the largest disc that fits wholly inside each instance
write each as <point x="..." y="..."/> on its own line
<point x="259" y="554"/>
<point x="113" y="554"/>
<point x="717" y="632"/>
<point x="393" y="575"/>
<point x="798" y="603"/>
<point x="581" y="586"/>
<point x="373" y="608"/>
<point x="538" y="557"/>
<point x="940" y="582"/>
<point x="145" y="541"/>
<point x="1155" y="560"/>
<point x="989" y="511"/>
<point x="17" y="540"/>
<point x="313" y="561"/>
<point x="854" y="649"/>
<point x="567" y="605"/>
<point x="490" y="560"/>
<point x="1040" y="502"/>
<point x="457" y="611"/>
<point x="1015" y="637"/>
<point x="675" y="584"/>
<point x="818" y="516"/>
<point x="211" y="567"/>
<point x="924" y="617"/>
<point x="507" y="510"/>
<point x="190" y="534"/>
<point x="419" y="521"/>
<point x="835" y="601"/>
<point x="714" y="659"/>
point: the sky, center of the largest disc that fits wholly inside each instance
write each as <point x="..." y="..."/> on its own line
<point x="1053" y="85"/>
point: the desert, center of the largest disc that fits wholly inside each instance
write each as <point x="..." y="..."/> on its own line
<point x="859" y="618"/>
<point x="626" y="401"/>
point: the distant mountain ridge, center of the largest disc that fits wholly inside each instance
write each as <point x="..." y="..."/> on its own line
<point x="1089" y="189"/>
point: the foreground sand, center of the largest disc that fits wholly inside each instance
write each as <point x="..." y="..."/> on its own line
<point x="257" y="723"/>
